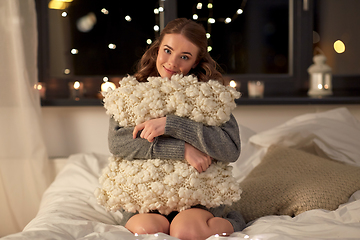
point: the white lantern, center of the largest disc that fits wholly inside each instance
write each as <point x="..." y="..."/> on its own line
<point x="320" y="77"/>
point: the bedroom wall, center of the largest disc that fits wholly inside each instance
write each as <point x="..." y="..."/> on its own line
<point x="70" y="130"/>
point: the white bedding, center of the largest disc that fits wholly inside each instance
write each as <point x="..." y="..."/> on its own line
<point x="69" y="209"/>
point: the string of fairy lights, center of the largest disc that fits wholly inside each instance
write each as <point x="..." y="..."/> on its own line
<point x="210" y="20"/>
<point x="87" y="22"/>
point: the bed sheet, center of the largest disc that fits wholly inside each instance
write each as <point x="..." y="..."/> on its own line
<point x="69" y="209"/>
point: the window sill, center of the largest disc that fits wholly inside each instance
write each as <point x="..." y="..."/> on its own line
<point x="63" y="102"/>
<point x="303" y="99"/>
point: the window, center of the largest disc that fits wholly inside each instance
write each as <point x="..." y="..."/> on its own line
<point x="258" y="43"/>
<point x="246" y="37"/>
<point x="273" y="41"/>
<point x="91" y="40"/>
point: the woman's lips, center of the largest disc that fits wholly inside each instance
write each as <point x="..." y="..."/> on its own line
<point x="169" y="71"/>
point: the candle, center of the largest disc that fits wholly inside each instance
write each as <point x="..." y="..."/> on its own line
<point x="105" y="86"/>
<point x="41" y="87"/>
<point x="76" y="85"/>
<point x="256" y="89"/>
<point x="235" y="85"/>
<point x="76" y="90"/>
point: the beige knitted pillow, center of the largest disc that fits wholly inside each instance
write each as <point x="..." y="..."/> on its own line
<point x="290" y="181"/>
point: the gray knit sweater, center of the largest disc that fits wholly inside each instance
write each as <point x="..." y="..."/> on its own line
<point x="222" y="143"/>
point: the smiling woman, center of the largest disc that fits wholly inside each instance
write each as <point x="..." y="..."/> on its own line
<point x="180" y="48"/>
<point x="177" y="55"/>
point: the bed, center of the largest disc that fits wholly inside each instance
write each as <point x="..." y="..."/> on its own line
<point x="278" y="169"/>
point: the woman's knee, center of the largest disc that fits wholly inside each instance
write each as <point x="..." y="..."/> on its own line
<point x="148" y="223"/>
<point x="191" y="224"/>
<point x="198" y="223"/>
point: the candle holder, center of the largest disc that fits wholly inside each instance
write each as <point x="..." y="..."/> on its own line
<point x="76" y="90"/>
<point x="256" y="89"/>
<point x="320" y="77"/>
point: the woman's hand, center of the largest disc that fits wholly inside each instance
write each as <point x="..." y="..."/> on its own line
<point x="150" y="129"/>
<point x="199" y="160"/>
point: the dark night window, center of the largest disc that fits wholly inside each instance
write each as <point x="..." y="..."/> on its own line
<point x="252" y="41"/>
<point x="273" y="41"/>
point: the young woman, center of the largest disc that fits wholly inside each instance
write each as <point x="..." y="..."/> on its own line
<point x="180" y="49"/>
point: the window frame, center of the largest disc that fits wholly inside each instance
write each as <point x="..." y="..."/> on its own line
<point x="286" y="88"/>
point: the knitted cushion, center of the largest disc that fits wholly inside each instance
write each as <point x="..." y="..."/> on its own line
<point x="167" y="185"/>
<point x="290" y="181"/>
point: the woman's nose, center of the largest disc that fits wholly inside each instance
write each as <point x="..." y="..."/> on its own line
<point x="173" y="60"/>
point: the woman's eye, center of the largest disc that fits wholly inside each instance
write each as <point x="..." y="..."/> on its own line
<point x="167" y="51"/>
<point x="185" y="57"/>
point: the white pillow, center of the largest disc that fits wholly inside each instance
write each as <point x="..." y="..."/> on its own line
<point x="333" y="134"/>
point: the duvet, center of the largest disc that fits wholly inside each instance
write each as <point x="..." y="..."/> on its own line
<point x="69" y="209"/>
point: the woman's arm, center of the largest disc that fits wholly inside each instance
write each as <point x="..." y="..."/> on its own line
<point x="122" y="144"/>
<point x="221" y="143"/>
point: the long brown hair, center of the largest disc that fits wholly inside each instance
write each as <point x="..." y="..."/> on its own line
<point x="206" y="68"/>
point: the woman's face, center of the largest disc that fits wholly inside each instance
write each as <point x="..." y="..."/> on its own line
<point x="177" y="55"/>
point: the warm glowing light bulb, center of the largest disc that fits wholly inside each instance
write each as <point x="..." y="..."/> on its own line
<point x="239" y="11"/>
<point x="199" y="6"/>
<point x="232" y="84"/>
<point x="208" y="35"/>
<point x="156" y="28"/>
<point x="105" y="11"/>
<point x="128" y="18"/>
<point x="320" y="86"/>
<point x="210" y="5"/>
<point x="195" y="17"/>
<point x="211" y="20"/>
<point x="149" y="41"/>
<point x="156" y="11"/>
<point x="228" y="20"/>
<point x="64" y="14"/>
<point x="67" y="71"/>
<point x="74" y="51"/>
<point x="209" y="48"/>
<point x="87" y="22"/>
<point x="161" y="9"/>
<point x="112" y="46"/>
<point x="56" y="4"/>
<point x="339" y="46"/>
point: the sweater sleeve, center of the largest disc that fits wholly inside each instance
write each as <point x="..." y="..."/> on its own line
<point x="122" y="144"/>
<point x="220" y="142"/>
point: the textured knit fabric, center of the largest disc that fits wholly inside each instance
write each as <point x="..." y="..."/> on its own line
<point x="220" y="142"/>
<point x="290" y="181"/>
